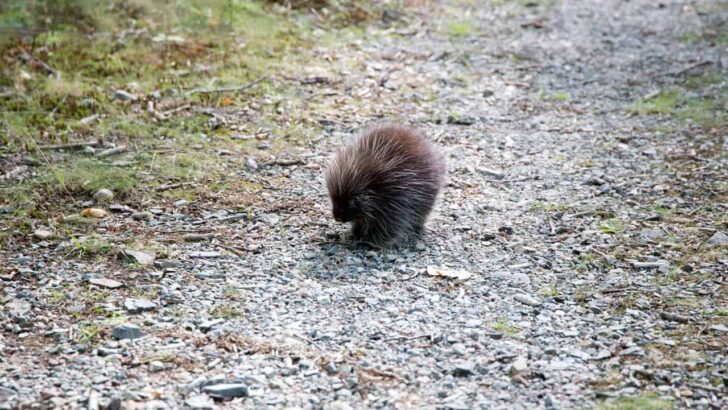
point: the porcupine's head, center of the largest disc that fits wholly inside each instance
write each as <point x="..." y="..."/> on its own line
<point x="348" y="179"/>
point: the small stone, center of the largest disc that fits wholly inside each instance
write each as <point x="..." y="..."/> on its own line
<point x="632" y="351"/>
<point x="103" y="195"/>
<point x="124" y="95"/>
<point x="156" y="366"/>
<point x="495" y="335"/>
<point x="138" y="305"/>
<point x="201" y="401"/>
<point x="138" y="257"/>
<point x="495" y="174"/>
<point x="105" y="283"/>
<point x="93" y="213"/>
<point x="42" y="234"/>
<point x="181" y="203"/>
<point x="718" y="239"/>
<point x="331" y="368"/>
<point x="205" y="254"/>
<point x="251" y="163"/>
<point x="506" y="230"/>
<point x="141" y="216"/>
<point x="18" y="307"/>
<point x="197" y="237"/>
<point x="167" y="264"/>
<point x="650" y="235"/>
<point x="127" y="331"/>
<point x="270" y="219"/>
<point x="719" y="328"/>
<point x="527" y="300"/>
<point x="463" y="369"/>
<point x="518" y="366"/>
<point x="672" y="317"/>
<point x="226" y="391"/>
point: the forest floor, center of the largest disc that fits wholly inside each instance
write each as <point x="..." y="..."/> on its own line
<point x="577" y="257"/>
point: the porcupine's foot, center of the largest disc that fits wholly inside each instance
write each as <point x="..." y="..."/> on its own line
<point x="372" y="234"/>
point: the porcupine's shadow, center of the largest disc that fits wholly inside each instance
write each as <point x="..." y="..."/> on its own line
<point x="332" y="252"/>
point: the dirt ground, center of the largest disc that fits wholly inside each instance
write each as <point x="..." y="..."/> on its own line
<point x="586" y="214"/>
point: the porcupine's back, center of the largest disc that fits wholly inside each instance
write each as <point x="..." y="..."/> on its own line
<point x="395" y="174"/>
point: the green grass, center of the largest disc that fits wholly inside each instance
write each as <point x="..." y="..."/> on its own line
<point x="503" y="326"/>
<point x="180" y="46"/>
<point x="558" y="96"/>
<point x="460" y="28"/>
<point x="635" y="403"/>
<point x="611" y="227"/>
<point x="225" y="312"/>
<point x="705" y="110"/>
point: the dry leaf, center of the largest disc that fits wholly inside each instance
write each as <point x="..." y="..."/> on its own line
<point x="93" y="212"/>
<point x="448" y="273"/>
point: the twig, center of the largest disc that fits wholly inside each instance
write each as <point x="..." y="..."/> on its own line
<point x="391" y="339"/>
<point x="236" y="251"/>
<point x="619" y="290"/>
<point x="703" y="387"/>
<point x="172" y="186"/>
<point x="416" y="274"/>
<point x="72" y="145"/>
<point x="224" y="89"/>
<point x="112" y="151"/>
<point x="691" y="66"/>
<point x="309" y="341"/>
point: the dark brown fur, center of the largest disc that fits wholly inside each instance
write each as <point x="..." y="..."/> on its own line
<point x="385" y="182"/>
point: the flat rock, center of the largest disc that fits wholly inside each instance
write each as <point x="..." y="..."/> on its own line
<point x="205" y="254"/>
<point x="493" y="173"/>
<point x="718" y="239"/>
<point x="519" y="366"/>
<point x="227" y="390"/>
<point x="527" y="300"/>
<point x="18" y="307"/>
<point x="105" y="283"/>
<point x="138" y="305"/>
<point x="42" y="234"/>
<point x="200" y="401"/>
<point x="124" y="95"/>
<point x="139" y="257"/>
<point x="633" y="351"/>
<point x="127" y="331"/>
<point x="103" y="195"/>
<point x="463" y="368"/>
<point x="650" y="235"/>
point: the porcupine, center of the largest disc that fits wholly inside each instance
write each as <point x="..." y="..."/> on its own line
<point x="385" y="182"/>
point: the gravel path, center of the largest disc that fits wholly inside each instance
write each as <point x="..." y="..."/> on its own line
<point x="585" y="247"/>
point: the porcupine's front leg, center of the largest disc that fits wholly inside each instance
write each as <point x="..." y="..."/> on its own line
<point x="372" y="233"/>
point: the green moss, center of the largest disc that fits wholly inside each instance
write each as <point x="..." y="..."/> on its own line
<point x="460" y="28"/>
<point x="91" y="245"/>
<point x="646" y="402"/>
<point x="611" y="227"/>
<point x="503" y="326"/>
<point x="558" y="96"/>
<point x="706" y="110"/>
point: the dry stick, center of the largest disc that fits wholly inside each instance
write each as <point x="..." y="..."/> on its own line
<point x="224" y="89"/>
<point x="172" y="186"/>
<point x="233" y="250"/>
<point x="391" y="339"/>
<point x="73" y="145"/>
<point x="307" y="340"/>
<point x="48" y="163"/>
<point x="112" y="151"/>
